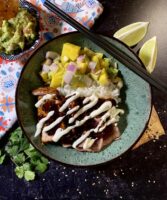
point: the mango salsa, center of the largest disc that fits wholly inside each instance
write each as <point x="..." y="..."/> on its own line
<point x="82" y="67"/>
<point x="103" y="79"/>
<point x="79" y="67"/>
<point x="70" y="51"/>
<point x="57" y="77"/>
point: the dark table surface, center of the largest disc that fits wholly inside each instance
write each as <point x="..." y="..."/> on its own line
<point x="139" y="174"/>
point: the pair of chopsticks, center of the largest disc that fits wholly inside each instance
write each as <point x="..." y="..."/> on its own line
<point x="109" y="47"/>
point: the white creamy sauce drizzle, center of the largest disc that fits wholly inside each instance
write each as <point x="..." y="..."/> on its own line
<point x="68" y="101"/>
<point x="88" y="143"/>
<point x="41" y="123"/>
<point x="80" y="139"/>
<point x="43" y="99"/>
<point x="97" y="129"/>
<point x="61" y="132"/>
<point x="93" y="101"/>
<point x="110" y="116"/>
<point x="72" y="110"/>
<point x="53" y="124"/>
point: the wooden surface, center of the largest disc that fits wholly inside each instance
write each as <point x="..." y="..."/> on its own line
<point x="153" y="131"/>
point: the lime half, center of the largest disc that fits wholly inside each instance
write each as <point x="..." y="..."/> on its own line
<point x="148" y="54"/>
<point x="133" y="33"/>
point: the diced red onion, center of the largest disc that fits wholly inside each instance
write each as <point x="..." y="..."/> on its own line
<point x="72" y="67"/>
<point x="53" y="67"/>
<point x="68" y="77"/>
<point x="45" y="68"/>
<point x="80" y="58"/>
<point x="51" y="54"/>
<point x="92" y="65"/>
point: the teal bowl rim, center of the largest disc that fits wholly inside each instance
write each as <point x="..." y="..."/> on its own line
<point x="45" y="154"/>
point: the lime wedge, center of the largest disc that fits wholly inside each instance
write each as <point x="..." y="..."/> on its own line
<point x="148" y="54"/>
<point x="133" y="33"/>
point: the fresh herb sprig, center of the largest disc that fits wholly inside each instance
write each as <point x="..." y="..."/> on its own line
<point x="2" y="156"/>
<point x="27" y="160"/>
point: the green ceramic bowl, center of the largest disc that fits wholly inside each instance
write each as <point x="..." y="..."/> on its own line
<point x="136" y="101"/>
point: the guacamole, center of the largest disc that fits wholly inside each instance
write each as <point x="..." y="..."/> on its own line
<point x="18" y="33"/>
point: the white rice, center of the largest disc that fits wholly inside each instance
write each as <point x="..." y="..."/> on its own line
<point x="103" y="92"/>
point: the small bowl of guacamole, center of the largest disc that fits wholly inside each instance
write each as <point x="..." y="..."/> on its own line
<point x="20" y="34"/>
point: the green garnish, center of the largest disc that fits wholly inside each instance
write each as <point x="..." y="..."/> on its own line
<point x="28" y="161"/>
<point x="2" y="157"/>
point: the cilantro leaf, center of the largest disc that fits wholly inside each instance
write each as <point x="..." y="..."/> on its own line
<point x="32" y="153"/>
<point x="27" y="166"/>
<point x="27" y="159"/>
<point x="19" y="158"/>
<point x="29" y="175"/>
<point x="24" y="144"/>
<point x="44" y="160"/>
<point x="2" y="158"/>
<point x="15" y="138"/>
<point x="41" y="167"/>
<point x="19" y="171"/>
<point x="34" y="161"/>
<point x="12" y="150"/>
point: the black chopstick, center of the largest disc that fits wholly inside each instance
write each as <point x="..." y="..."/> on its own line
<point x="109" y="47"/>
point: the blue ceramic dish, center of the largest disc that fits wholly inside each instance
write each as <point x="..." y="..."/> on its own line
<point x="136" y="101"/>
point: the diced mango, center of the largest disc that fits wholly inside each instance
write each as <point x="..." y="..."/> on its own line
<point x="99" y="55"/>
<point x="82" y="67"/>
<point x="95" y="76"/>
<point x="89" y="52"/>
<point x="57" y="77"/>
<point x="64" y="59"/>
<point x="105" y="63"/>
<point x="97" y="60"/>
<point x="71" y="51"/>
<point x="44" y="76"/>
<point x="103" y="79"/>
